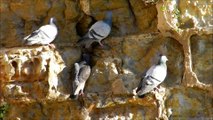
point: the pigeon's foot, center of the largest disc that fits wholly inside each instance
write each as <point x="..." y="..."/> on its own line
<point x="73" y="96"/>
<point x="142" y="96"/>
<point x="104" y="47"/>
<point x="81" y="94"/>
<point x="81" y="100"/>
<point x="157" y="89"/>
<point x="52" y="46"/>
<point x="101" y="44"/>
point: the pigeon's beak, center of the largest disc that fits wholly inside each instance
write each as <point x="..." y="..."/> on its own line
<point x="166" y="59"/>
<point x="52" y="20"/>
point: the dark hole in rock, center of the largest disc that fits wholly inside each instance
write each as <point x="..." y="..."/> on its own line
<point x="188" y="24"/>
<point x="27" y="69"/>
<point x="14" y="64"/>
<point x="36" y="61"/>
<point x="84" y="24"/>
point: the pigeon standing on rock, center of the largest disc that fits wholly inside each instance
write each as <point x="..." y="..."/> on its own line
<point x="44" y="35"/>
<point x="97" y="32"/>
<point x="154" y="76"/>
<point x="81" y="74"/>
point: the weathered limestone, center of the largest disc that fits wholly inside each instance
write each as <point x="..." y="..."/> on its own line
<point x="35" y="80"/>
<point x="30" y="73"/>
<point x="202" y="47"/>
<point x="169" y="15"/>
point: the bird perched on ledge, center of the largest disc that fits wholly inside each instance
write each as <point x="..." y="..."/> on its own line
<point x="97" y="32"/>
<point x="154" y="76"/>
<point x="81" y="74"/>
<point x="44" y="35"/>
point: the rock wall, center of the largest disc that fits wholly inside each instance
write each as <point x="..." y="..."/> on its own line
<point x="35" y="80"/>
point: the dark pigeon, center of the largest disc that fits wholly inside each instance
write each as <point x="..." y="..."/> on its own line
<point x="82" y="72"/>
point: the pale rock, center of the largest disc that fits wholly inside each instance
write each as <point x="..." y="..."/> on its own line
<point x="14" y="90"/>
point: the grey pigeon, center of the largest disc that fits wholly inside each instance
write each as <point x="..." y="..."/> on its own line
<point x="44" y="35"/>
<point x="97" y="32"/>
<point x="81" y="74"/>
<point x="154" y="76"/>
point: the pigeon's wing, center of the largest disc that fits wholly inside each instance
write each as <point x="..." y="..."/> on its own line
<point x="159" y="73"/>
<point x="96" y="33"/>
<point x="35" y="38"/>
<point x="44" y="35"/>
<point x="99" y="30"/>
<point x="84" y="74"/>
<point x="150" y="71"/>
<point x="154" y="76"/>
<point x="49" y="32"/>
<point x="145" y="82"/>
<point x="143" y="75"/>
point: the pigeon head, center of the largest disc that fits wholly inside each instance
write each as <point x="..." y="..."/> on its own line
<point x="163" y="59"/>
<point x="108" y="18"/>
<point x="52" y="20"/>
<point x="86" y="58"/>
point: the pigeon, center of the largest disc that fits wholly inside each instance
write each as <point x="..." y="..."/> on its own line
<point x="154" y="76"/>
<point x="97" y="32"/>
<point x="44" y="35"/>
<point x="81" y="74"/>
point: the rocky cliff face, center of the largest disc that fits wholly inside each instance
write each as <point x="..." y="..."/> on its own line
<point x="35" y="80"/>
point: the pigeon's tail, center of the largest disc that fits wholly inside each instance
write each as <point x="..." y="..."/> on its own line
<point x="138" y="89"/>
<point x="30" y="42"/>
<point x="25" y="38"/>
<point x="35" y="33"/>
<point x="83" y="38"/>
<point x="80" y="40"/>
<point x="27" y="42"/>
<point x="73" y="96"/>
<point x="142" y="96"/>
<point x="87" y="42"/>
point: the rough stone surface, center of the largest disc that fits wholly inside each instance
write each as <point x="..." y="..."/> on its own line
<point x="202" y="48"/>
<point x="144" y="21"/>
<point x="187" y="103"/>
<point x="35" y="81"/>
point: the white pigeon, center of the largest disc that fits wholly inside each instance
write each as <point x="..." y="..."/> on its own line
<point x="97" y="32"/>
<point x="44" y="35"/>
<point x="154" y="76"/>
<point x="81" y="74"/>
